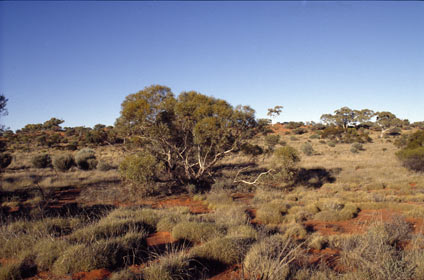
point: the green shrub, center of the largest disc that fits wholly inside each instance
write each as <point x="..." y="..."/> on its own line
<point x="86" y="159"/>
<point x="272" y="140"/>
<point x="356" y="147"/>
<point x="227" y="250"/>
<point x="287" y="157"/>
<point x="412" y="159"/>
<point x="63" y="162"/>
<point x="307" y="149"/>
<point x="331" y="144"/>
<point x="141" y="170"/>
<point x="41" y="161"/>
<point x="315" y="136"/>
<point x="5" y="160"/>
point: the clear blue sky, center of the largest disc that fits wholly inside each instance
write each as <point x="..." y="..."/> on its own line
<point x="78" y="60"/>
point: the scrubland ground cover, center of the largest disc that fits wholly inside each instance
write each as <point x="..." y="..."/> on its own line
<point x="333" y="213"/>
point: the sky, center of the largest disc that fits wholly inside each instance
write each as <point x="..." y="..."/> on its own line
<point x="77" y="61"/>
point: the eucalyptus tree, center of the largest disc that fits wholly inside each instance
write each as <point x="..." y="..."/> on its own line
<point x="188" y="134"/>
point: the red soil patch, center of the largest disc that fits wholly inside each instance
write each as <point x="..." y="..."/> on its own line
<point x="231" y="273"/>
<point x="97" y="274"/>
<point x="160" y="238"/>
<point x="279" y="128"/>
<point x="328" y="256"/>
<point x="359" y="224"/>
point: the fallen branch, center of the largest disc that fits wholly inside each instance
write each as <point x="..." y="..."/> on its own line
<point x="255" y="181"/>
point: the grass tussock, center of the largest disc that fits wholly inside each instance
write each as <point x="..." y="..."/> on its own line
<point x="197" y="232"/>
<point x="226" y="250"/>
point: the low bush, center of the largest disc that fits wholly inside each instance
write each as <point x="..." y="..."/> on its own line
<point x="63" y="162"/>
<point x="41" y="161"/>
<point x="141" y="170"/>
<point x="412" y="159"/>
<point x="307" y="149"/>
<point x="86" y="159"/>
<point x="5" y="160"/>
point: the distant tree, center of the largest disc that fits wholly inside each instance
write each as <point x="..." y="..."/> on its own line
<point x="387" y="121"/>
<point x="275" y="112"/>
<point x="188" y="134"/>
<point x="345" y="117"/>
<point x="53" y="124"/>
<point x="3" y="102"/>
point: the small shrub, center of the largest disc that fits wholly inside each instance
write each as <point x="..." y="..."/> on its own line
<point x="141" y="170"/>
<point x="314" y="136"/>
<point x="86" y="159"/>
<point x="63" y="162"/>
<point x="412" y="159"/>
<point x="272" y="140"/>
<point x="307" y="149"/>
<point x="356" y="147"/>
<point x="286" y="156"/>
<point x="41" y="161"/>
<point x="331" y="144"/>
<point x="5" y="160"/>
<point x="322" y="142"/>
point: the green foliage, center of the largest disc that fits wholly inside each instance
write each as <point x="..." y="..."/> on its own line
<point x="141" y="169"/>
<point x="315" y="136"/>
<point x="86" y="159"/>
<point x="272" y="140"/>
<point x="307" y="149"/>
<point x="5" y="160"/>
<point x="41" y="161"/>
<point x="412" y="159"/>
<point x="287" y="157"/>
<point x="188" y="134"/>
<point x="412" y="156"/>
<point x="63" y="162"/>
<point x="356" y="147"/>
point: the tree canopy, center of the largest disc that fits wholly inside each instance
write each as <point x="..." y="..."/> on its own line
<point x="188" y="134"/>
